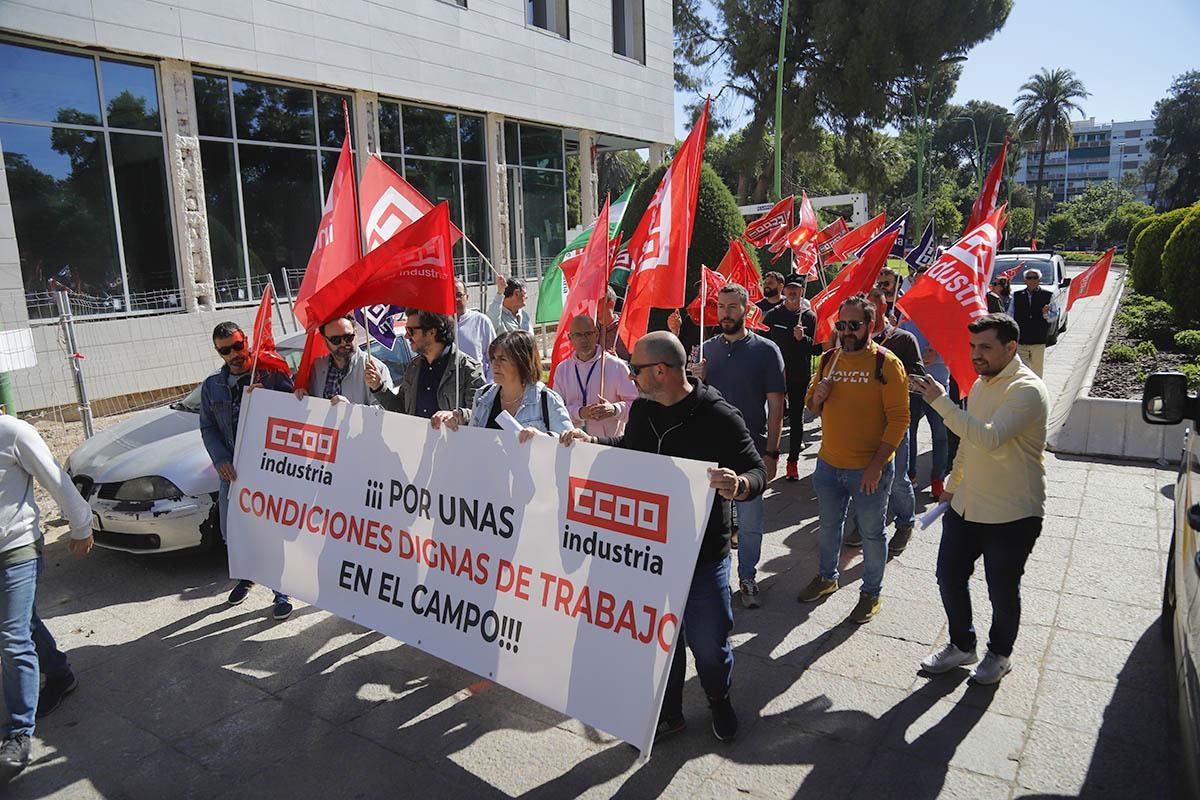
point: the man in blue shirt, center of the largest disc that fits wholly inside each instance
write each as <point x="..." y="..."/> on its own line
<point x="747" y="369"/>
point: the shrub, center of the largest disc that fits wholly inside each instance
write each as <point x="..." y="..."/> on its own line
<point x="1188" y="341"/>
<point x="1146" y="349"/>
<point x="1020" y="226"/>
<point x="1117" y="227"/>
<point x="1192" y="371"/>
<point x="1061" y="227"/>
<point x="1147" y="269"/>
<point x="1120" y="354"/>
<point x="1154" y="321"/>
<point x="1134" y="233"/>
<point x="1181" y="267"/>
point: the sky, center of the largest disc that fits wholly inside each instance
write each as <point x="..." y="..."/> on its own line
<point x="1126" y="54"/>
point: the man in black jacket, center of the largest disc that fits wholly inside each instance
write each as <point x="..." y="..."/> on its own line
<point x="1034" y="310"/>
<point x="791" y="326"/>
<point x="678" y="416"/>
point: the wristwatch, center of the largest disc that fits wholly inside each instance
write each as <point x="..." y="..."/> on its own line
<point x="772" y="454"/>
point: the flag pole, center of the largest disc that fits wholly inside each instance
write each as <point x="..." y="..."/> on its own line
<point x="457" y="384"/>
<point x="703" y="300"/>
<point x="267" y="292"/>
<point x="607" y="274"/>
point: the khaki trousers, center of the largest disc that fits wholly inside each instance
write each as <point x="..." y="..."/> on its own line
<point x="1034" y="356"/>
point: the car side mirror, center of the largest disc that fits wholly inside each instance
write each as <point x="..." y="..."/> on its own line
<point x="1065" y="283"/>
<point x="1165" y="399"/>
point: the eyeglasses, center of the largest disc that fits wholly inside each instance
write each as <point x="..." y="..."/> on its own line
<point x="844" y="325"/>
<point x="408" y="329"/>
<point x="634" y="369"/>
<point x="1027" y="280"/>
<point x="583" y="335"/>
<point x="230" y="348"/>
<point x="340" y="339"/>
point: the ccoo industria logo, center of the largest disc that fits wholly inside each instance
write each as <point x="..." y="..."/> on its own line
<point x="618" y="508"/>
<point x="299" y="439"/>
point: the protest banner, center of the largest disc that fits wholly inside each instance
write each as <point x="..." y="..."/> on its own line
<point x="561" y="573"/>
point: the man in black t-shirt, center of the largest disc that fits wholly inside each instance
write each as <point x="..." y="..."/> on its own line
<point x="792" y="325"/>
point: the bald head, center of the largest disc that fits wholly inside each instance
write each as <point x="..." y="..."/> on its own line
<point x="660" y="346"/>
<point x="582" y="333"/>
<point x="659" y="359"/>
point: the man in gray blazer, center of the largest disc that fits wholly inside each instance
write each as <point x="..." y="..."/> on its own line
<point x="440" y="378"/>
<point x="341" y="375"/>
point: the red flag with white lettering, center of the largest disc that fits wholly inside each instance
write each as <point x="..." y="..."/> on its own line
<point x="713" y="282"/>
<point x="947" y="298"/>
<point x="737" y="267"/>
<point x="773" y="225"/>
<point x="829" y="235"/>
<point x="985" y="204"/>
<point x="1090" y="282"/>
<point x="857" y="278"/>
<point x="589" y="287"/>
<point x="658" y="249"/>
<point x="390" y="204"/>
<point x="858" y="237"/>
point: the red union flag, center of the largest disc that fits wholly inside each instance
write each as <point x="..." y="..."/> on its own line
<point x="857" y="278"/>
<point x="771" y="226"/>
<point x="858" y="237"/>
<point x="829" y="235"/>
<point x="390" y="204"/>
<point x="658" y="249"/>
<point x="589" y="287"/>
<point x="1090" y="282"/>
<point x="737" y="267"/>
<point x="265" y="354"/>
<point x="713" y="281"/>
<point x="947" y="298"/>
<point x="985" y="204"/>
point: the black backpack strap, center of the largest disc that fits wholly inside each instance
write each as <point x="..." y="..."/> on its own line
<point x="824" y="363"/>
<point x="880" y="357"/>
<point x="546" y="410"/>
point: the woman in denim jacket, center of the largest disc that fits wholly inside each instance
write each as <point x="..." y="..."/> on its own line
<point x="517" y="389"/>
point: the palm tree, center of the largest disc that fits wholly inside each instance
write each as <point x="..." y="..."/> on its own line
<point x="1043" y="112"/>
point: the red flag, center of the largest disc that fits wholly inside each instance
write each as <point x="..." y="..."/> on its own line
<point x="737" y="267"/>
<point x="414" y="268"/>
<point x="858" y="237"/>
<point x="265" y="355"/>
<point x="587" y="290"/>
<point x="314" y="348"/>
<point x="1090" y="282"/>
<point x="337" y="245"/>
<point x="827" y="236"/>
<point x="857" y="278"/>
<point x="658" y="249"/>
<point x="806" y="260"/>
<point x="947" y="298"/>
<point x="985" y="204"/>
<point x="390" y="204"/>
<point x="1012" y="273"/>
<point x="773" y="225"/>
<point x="713" y="282"/>
<point x="806" y="227"/>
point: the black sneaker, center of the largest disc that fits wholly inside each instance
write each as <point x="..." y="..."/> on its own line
<point x="724" y="720"/>
<point x="14" y="756"/>
<point x="239" y="592"/>
<point x="668" y="727"/>
<point x="53" y="693"/>
<point x="283" y="610"/>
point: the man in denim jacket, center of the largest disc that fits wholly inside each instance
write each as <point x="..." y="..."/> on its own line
<point x="220" y="404"/>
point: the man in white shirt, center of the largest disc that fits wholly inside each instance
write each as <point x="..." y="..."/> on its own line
<point x="507" y="309"/>
<point x="475" y="331"/>
<point x="25" y="644"/>
<point x="578" y="381"/>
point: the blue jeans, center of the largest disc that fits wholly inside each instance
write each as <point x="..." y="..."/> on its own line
<point x="835" y="489"/>
<point x="750" y="515"/>
<point x="937" y="428"/>
<point x="707" y="621"/>
<point x="223" y="511"/>
<point x="18" y="656"/>
<point x="902" y="501"/>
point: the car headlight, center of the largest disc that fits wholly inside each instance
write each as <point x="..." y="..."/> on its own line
<point x="150" y="488"/>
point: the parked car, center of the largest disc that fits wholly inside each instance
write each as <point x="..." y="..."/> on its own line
<point x="149" y="480"/>
<point x="1165" y="401"/>
<point x="1054" y="279"/>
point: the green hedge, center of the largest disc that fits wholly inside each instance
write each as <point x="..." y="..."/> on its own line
<point x="1134" y="233"/>
<point x="1181" y="268"/>
<point x="1147" y="267"/>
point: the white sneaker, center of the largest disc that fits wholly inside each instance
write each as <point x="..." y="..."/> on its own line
<point x="991" y="669"/>
<point x="947" y="659"/>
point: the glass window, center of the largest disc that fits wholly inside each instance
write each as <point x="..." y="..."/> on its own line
<point x="1133" y="134"/>
<point x="428" y="132"/>
<point x="512" y="143"/>
<point x="131" y="95"/>
<point x="332" y="119"/>
<point x="46" y="86"/>
<point x="224" y="221"/>
<point x="389" y="128"/>
<point x="437" y="181"/>
<point x="212" y="105"/>
<point x="472" y="132"/>
<point x="541" y="147"/>
<point x="550" y="15"/>
<point x="62" y="211"/>
<point x="629" y="29"/>
<point x="545" y="211"/>
<point x="329" y="162"/>
<point x="476" y="214"/>
<point x="268" y="112"/>
<point x="139" y="169"/>
<point x="282" y="209"/>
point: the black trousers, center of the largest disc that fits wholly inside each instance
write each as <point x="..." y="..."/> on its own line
<point x="795" y="401"/>
<point x="1005" y="548"/>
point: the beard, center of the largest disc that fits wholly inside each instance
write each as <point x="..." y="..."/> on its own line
<point x="852" y="343"/>
<point x="732" y="326"/>
<point x="772" y="293"/>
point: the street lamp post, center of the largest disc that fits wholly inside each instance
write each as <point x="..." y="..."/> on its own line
<point x="921" y="131"/>
<point x="980" y="155"/>
<point x="778" y="182"/>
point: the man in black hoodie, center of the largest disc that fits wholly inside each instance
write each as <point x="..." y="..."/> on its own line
<point x="678" y="416"/>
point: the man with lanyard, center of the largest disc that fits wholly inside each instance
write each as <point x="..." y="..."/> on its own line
<point x="440" y="378"/>
<point x="747" y="369"/>
<point x="475" y="330"/>
<point x="507" y="309"/>
<point x="791" y="326"/>
<point x="578" y="381"/>
<point x="340" y="376"/>
<point x="220" y="406"/>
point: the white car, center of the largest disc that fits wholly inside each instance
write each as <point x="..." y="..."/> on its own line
<point x="149" y="480"/>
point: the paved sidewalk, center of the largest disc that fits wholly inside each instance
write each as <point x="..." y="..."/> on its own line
<point x="183" y="696"/>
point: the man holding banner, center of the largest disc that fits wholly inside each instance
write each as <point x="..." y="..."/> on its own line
<point x="440" y="378"/>
<point x="679" y="416"/>
<point x="340" y="375"/>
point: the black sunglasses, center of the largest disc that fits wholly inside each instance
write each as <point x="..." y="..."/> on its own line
<point x="634" y="369"/>
<point x="408" y="329"/>
<point x="339" y="339"/>
<point x="229" y="348"/>
<point x="848" y="325"/>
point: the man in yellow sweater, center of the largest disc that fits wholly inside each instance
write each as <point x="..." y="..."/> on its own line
<point x="860" y="393"/>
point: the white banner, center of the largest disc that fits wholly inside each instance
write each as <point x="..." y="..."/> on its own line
<point x="558" y="572"/>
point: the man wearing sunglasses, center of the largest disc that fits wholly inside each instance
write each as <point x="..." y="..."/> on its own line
<point x="1034" y="310"/>
<point x="440" y="378"/>
<point x="340" y="376"/>
<point x="220" y="405"/>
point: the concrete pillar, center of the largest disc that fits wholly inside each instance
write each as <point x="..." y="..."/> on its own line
<point x="657" y="152"/>
<point x="366" y="127"/>
<point x="497" y="177"/>
<point x="588" y="180"/>
<point x="186" y="183"/>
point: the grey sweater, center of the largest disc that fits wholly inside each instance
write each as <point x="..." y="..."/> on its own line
<point x="24" y="457"/>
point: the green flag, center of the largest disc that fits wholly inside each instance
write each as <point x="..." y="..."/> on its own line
<point x="553" y="290"/>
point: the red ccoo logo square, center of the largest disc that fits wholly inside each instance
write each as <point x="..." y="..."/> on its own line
<point x="299" y="439"/>
<point x="618" y="508"/>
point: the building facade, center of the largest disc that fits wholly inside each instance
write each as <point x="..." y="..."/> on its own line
<point x="164" y="160"/>
<point x="1109" y="151"/>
